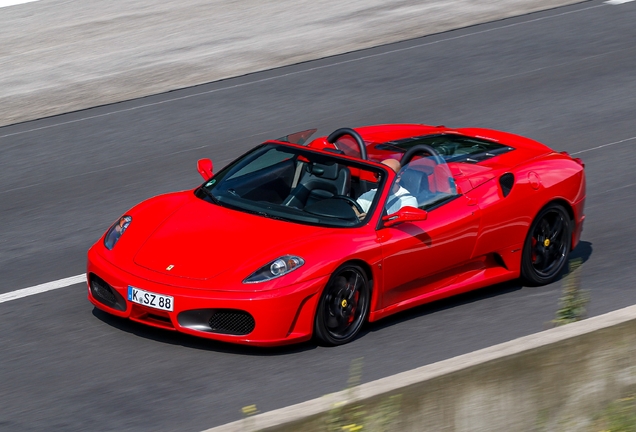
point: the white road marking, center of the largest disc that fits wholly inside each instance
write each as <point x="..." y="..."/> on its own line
<point x="627" y="186"/>
<point x="25" y="292"/>
<point x="617" y="2"/>
<point x="602" y="146"/>
<point x="5" y="3"/>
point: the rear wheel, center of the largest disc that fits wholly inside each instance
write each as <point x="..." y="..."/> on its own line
<point x="547" y="246"/>
<point x="343" y="306"/>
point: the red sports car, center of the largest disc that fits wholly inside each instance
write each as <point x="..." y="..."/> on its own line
<point x="297" y="239"/>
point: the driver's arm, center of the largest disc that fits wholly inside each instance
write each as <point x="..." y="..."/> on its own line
<point x="408" y="200"/>
<point x="366" y="199"/>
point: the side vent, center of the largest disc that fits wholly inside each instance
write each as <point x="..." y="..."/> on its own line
<point x="506" y="182"/>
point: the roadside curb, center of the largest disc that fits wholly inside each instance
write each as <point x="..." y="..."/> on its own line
<point x="535" y="345"/>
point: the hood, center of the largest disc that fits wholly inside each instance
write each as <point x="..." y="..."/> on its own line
<point x="201" y="240"/>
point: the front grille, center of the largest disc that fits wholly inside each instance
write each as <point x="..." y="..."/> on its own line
<point x="105" y="294"/>
<point x="224" y="321"/>
<point x="234" y="322"/>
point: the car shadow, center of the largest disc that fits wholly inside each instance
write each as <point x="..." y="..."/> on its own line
<point x="443" y="304"/>
<point x="583" y="252"/>
<point x="176" y="338"/>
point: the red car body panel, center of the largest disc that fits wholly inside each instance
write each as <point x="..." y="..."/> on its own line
<point x="201" y="254"/>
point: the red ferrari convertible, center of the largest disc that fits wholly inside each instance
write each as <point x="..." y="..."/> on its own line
<point x="299" y="239"/>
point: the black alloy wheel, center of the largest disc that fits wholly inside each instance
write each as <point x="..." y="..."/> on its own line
<point x="547" y="245"/>
<point x="343" y="306"/>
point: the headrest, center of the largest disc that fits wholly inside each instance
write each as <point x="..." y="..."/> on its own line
<point x="325" y="171"/>
<point x="414" y="181"/>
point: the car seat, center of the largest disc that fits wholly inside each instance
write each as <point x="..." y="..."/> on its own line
<point x="318" y="182"/>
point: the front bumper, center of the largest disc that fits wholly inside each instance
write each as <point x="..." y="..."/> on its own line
<point x="276" y="317"/>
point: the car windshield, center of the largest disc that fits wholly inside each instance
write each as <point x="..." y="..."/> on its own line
<point x="296" y="184"/>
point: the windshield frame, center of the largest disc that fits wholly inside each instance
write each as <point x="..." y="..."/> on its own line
<point x="217" y="191"/>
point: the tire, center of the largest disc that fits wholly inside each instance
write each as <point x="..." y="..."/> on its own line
<point x="547" y="246"/>
<point x="343" y="306"/>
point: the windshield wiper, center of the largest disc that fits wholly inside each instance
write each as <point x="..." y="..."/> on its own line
<point x="271" y="216"/>
<point x="214" y="199"/>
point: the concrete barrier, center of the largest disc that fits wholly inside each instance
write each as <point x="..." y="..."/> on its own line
<point x="60" y="56"/>
<point x="555" y="380"/>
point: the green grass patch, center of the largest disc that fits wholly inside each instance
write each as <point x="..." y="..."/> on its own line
<point x="619" y="416"/>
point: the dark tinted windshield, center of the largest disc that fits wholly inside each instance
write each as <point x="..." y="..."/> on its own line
<point x="295" y="184"/>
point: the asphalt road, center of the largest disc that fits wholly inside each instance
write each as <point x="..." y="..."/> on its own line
<point x="564" y="77"/>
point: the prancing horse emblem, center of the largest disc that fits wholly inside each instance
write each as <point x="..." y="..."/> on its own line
<point x="170" y="267"/>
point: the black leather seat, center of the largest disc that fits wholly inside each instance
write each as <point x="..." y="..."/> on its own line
<point x="416" y="182"/>
<point x="318" y="182"/>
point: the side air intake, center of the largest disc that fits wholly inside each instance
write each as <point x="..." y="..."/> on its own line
<point x="506" y="182"/>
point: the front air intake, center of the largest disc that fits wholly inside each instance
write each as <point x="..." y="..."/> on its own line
<point x="105" y="294"/>
<point x="223" y="321"/>
<point x="229" y="321"/>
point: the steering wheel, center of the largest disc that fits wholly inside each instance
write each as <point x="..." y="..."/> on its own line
<point x="339" y="133"/>
<point x="416" y="150"/>
<point x="351" y="201"/>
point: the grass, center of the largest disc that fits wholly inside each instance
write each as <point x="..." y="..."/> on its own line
<point x="619" y="416"/>
<point x="573" y="304"/>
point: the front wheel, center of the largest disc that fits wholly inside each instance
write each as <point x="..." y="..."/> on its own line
<point x="547" y="246"/>
<point x="343" y="306"/>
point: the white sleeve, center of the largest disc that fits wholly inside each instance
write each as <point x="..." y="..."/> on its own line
<point x="401" y="199"/>
<point x="366" y="199"/>
<point x="408" y="200"/>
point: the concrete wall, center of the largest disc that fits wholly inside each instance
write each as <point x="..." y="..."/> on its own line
<point x="555" y="380"/>
<point x="58" y="56"/>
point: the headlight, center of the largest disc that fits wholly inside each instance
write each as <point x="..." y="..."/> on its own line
<point x="116" y="231"/>
<point x="279" y="267"/>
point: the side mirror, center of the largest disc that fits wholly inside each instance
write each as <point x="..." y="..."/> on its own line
<point x="405" y="214"/>
<point x="204" y="166"/>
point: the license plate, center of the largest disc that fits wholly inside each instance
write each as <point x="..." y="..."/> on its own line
<point x="150" y="299"/>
